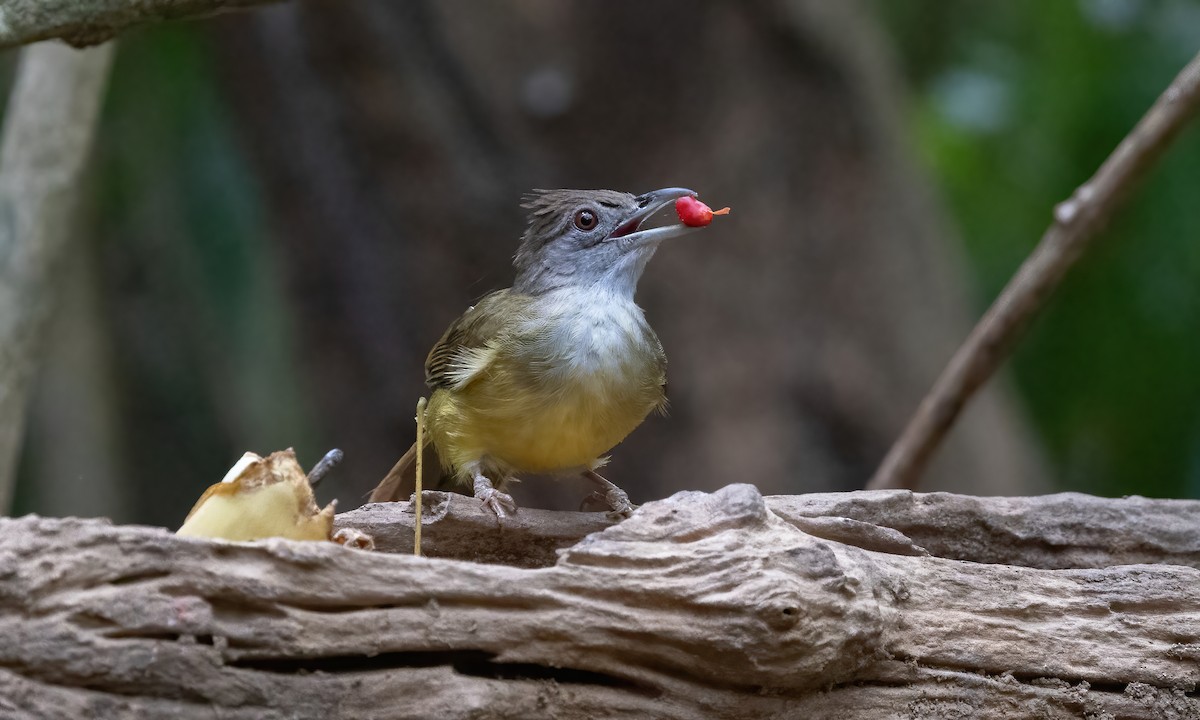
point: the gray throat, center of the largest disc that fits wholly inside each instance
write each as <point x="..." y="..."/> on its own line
<point x="618" y="278"/>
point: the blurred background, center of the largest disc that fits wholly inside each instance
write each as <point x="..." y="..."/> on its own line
<point x="288" y="206"/>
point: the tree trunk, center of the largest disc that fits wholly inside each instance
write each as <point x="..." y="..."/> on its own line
<point x="48" y="129"/>
<point x="701" y="605"/>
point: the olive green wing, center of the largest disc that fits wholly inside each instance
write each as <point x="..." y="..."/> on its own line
<point x="470" y="344"/>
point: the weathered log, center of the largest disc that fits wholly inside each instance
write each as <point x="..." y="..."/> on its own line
<point x="456" y="526"/>
<point x="1066" y="530"/>
<point x="698" y="606"/>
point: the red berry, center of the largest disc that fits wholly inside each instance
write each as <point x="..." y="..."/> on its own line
<point x="694" y="213"/>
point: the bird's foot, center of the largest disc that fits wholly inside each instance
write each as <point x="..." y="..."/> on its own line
<point x="613" y="497"/>
<point x="498" y="502"/>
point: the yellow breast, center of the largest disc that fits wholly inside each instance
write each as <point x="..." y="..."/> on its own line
<point x="552" y="406"/>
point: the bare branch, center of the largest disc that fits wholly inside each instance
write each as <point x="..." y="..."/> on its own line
<point x="324" y="466"/>
<point x="47" y="134"/>
<point x="90" y="22"/>
<point x="1077" y="221"/>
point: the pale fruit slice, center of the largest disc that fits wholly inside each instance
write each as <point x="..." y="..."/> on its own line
<point x="260" y="498"/>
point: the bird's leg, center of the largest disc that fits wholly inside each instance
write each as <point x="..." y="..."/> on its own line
<point x="613" y="496"/>
<point x="498" y="502"/>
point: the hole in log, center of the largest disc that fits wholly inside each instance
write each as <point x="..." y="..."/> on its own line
<point x="475" y="663"/>
<point x="479" y="664"/>
<point x="348" y="663"/>
<point x="90" y="621"/>
<point x="243" y="608"/>
<point x="140" y="577"/>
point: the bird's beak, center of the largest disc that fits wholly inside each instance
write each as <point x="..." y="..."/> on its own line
<point x="631" y="231"/>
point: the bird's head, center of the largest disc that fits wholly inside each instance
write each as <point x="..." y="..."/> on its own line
<point x="590" y="237"/>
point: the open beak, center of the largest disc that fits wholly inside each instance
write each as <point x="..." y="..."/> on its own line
<point x="648" y="204"/>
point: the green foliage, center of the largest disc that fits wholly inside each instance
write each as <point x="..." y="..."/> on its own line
<point x="1016" y="104"/>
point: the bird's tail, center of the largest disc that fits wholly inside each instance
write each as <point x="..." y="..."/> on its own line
<point x="401" y="482"/>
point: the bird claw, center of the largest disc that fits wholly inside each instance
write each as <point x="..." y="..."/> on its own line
<point x="616" y="504"/>
<point x="498" y="502"/>
<point x="620" y="507"/>
<point x="613" y="497"/>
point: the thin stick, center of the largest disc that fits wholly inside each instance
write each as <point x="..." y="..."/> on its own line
<point x="420" y="472"/>
<point x="1077" y="221"/>
<point x="332" y="459"/>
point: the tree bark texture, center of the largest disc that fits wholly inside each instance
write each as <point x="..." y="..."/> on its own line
<point x="1051" y="532"/>
<point x="700" y="605"/>
<point x="90" y="22"/>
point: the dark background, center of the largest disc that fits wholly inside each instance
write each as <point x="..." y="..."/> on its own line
<point x="288" y="206"/>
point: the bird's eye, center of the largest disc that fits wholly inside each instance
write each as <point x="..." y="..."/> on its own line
<point x="585" y="220"/>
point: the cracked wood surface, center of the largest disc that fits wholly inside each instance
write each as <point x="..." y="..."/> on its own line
<point x="701" y="605"/>
<point x="1061" y="531"/>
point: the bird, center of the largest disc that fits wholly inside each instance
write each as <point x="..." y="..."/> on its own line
<point x="547" y="376"/>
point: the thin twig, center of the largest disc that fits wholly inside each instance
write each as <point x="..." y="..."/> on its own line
<point x="1077" y="221"/>
<point x="332" y="459"/>
<point x="91" y="22"/>
<point x="420" y="473"/>
<point x="47" y="135"/>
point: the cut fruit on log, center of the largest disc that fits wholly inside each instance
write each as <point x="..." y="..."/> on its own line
<point x="260" y="498"/>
